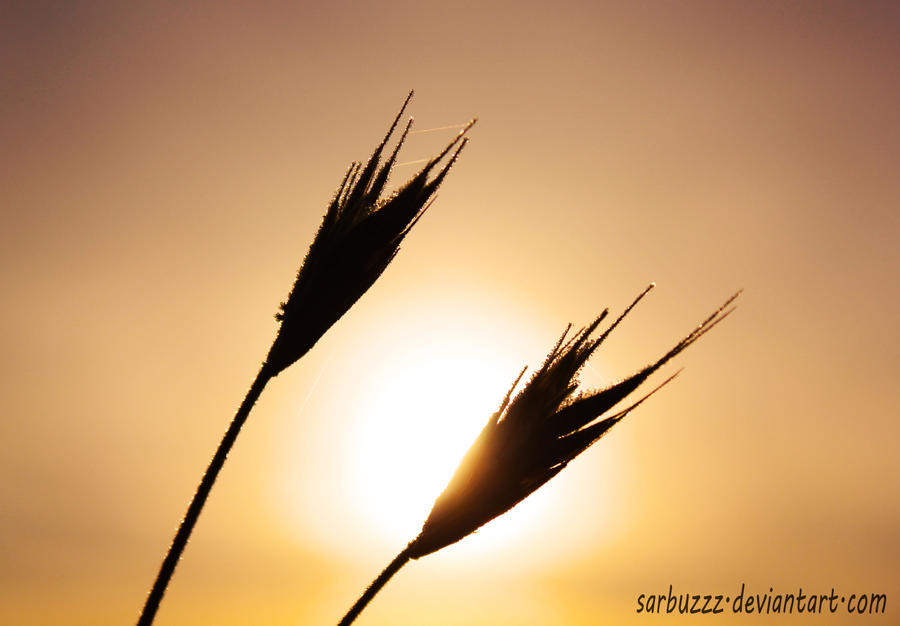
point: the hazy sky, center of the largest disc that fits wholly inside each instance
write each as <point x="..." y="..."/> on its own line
<point x="165" y="166"/>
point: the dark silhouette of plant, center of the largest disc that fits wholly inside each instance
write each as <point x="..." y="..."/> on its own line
<point x="359" y="236"/>
<point x="529" y="440"/>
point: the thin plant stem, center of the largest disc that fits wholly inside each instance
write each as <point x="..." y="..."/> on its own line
<point x="399" y="561"/>
<point x="193" y="513"/>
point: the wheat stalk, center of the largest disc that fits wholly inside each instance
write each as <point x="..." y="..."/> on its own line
<point x="360" y="234"/>
<point x="530" y="439"/>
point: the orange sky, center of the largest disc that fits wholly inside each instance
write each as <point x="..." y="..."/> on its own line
<point x="165" y="167"/>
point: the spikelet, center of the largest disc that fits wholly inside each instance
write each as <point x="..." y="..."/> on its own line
<point x="532" y="437"/>
<point x="360" y="234"/>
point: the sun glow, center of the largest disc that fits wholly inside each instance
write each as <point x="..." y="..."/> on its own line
<point x="411" y="400"/>
<point x="417" y="419"/>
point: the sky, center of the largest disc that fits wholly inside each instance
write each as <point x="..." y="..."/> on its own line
<point x="166" y="164"/>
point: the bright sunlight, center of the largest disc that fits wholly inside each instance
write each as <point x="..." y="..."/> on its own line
<point x="408" y="402"/>
<point x="418" y="416"/>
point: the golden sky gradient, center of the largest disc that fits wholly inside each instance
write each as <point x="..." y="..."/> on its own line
<point x="165" y="166"/>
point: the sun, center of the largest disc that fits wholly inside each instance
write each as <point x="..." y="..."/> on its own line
<point x="410" y="420"/>
<point x="399" y="411"/>
<point x="418" y="417"/>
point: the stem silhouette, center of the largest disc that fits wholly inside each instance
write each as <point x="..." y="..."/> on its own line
<point x="399" y="561"/>
<point x="193" y="513"/>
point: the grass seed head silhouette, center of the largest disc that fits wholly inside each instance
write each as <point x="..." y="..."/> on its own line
<point x="359" y="236"/>
<point x="531" y="438"/>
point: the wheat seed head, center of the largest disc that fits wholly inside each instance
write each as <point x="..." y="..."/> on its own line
<point x="532" y="437"/>
<point x="360" y="234"/>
